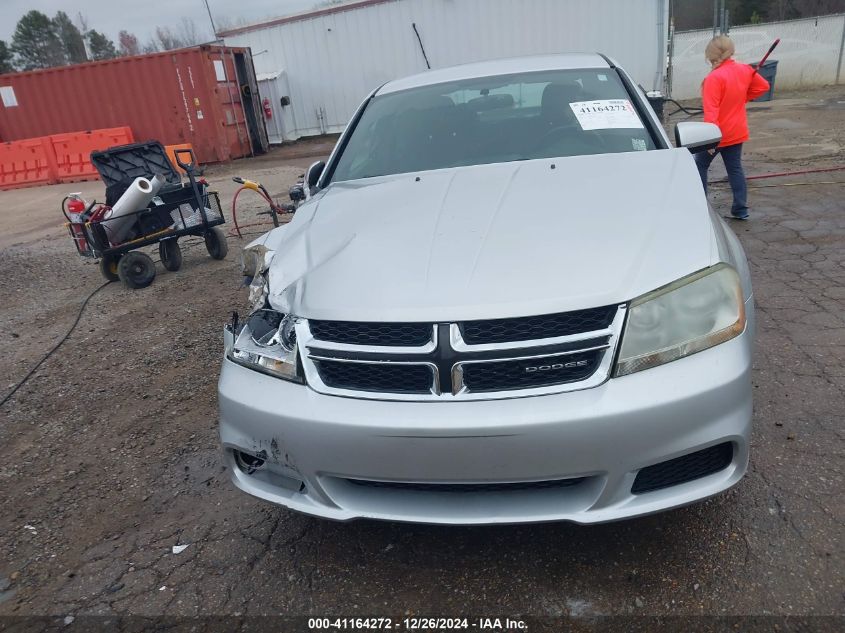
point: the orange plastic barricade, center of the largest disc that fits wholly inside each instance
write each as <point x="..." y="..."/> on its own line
<point x="27" y="163"/>
<point x="73" y="151"/>
<point x="170" y="150"/>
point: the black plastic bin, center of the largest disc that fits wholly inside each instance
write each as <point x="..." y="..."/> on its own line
<point x="768" y="72"/>
<point x="656" y="101"/>
<point x="119" y="166"/>
<point x="175" y="202"/>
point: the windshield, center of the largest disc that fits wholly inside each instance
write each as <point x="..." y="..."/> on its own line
<point x="493" y="120"/>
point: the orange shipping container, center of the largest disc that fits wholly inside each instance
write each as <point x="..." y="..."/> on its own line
<point x="206" y="96"/>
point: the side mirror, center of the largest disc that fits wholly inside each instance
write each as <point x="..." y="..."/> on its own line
<point x="697" y="136"/>
<point x="312" y="176"/>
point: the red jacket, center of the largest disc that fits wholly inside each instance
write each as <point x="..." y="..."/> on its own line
<point x="724" y="92"/>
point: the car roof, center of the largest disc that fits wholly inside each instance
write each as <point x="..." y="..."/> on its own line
<point x="533" y="63"/>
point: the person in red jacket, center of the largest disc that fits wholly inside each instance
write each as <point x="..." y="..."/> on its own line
<point x="724" y="92"/>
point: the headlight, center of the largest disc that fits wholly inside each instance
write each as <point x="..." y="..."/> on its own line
<point x="267" y="343"/>
<point x="685" y="317"/>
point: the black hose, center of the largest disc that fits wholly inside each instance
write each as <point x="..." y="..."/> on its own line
<point x="23" y="381"/>
<point x="690" y="111"/>
<point x="67" y="335"/>
<point x="52" y="351"/>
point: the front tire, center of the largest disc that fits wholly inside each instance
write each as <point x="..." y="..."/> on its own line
<point x="136" y="270"/>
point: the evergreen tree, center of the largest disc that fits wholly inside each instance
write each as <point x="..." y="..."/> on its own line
<point x="71" y="38"/>
<point x="35" y="42"/>
<point x="5" y="59"/>
<point x="100" y="46"/>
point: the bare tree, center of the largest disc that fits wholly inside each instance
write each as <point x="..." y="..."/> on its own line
<point x="226" y="22"/>
<point x="128" y="44"/>
<point x="187" y="32"/>
<point x="150" y="47"/>
<point x="167" y="40"/>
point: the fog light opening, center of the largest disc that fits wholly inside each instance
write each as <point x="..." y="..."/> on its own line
<point x="248" y="463"/>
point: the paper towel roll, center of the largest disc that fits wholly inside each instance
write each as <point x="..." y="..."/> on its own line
<point x="118" y="220"/>
<point x="158" y="181"/>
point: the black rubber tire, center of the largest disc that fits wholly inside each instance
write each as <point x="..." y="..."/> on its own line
<point x="215" y="243"/>
<point x="170" y="255"/>
<point x="136" y="270"/>
<point x="108" y="267"/>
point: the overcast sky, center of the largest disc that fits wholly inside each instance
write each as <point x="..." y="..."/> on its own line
<point x="141" y="18"/>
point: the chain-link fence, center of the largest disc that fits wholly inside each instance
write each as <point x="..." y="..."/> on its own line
<point x="810" y="53"/>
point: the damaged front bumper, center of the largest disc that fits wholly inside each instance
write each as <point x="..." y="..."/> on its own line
<point x="570" y="456"/>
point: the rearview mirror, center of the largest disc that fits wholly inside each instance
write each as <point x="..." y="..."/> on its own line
<point x="491" y="102"/>
<point x="697" y="136"/>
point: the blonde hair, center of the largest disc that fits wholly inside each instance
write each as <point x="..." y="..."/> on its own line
<point x="719" y="49"/>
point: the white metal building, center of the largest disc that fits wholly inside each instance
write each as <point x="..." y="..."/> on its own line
<point x="326" y="61"/>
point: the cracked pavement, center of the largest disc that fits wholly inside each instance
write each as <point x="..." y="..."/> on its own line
<point x="110" y="453"/>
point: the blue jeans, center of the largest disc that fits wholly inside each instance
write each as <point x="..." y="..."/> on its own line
<point x="732" y="156"/>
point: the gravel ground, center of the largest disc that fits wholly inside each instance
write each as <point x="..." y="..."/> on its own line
<point x="109" y="454"/>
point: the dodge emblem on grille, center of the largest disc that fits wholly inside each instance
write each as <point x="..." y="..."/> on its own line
<point x="552" y="367"/>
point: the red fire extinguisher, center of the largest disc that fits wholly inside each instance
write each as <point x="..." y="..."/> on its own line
<point x="268" y="112"/>
<point x="74" y="210"/>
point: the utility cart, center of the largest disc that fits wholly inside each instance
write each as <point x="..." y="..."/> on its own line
<point x="178" y="209"/>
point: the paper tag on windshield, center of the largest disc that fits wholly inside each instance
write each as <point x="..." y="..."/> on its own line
<point x="606" y="114"/>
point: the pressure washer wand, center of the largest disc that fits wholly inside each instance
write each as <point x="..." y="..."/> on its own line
<point x="766" y="56"/>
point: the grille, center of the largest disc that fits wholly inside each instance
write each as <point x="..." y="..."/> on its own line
<point x="377" y="334"/>
<point x="381" y="377"/>
<point x="514" y="374"/>
<point x="537" y="327"/>
<point x="682" y="469"/>
<point x="409" y="360"/>
<point x="471" y="488"/>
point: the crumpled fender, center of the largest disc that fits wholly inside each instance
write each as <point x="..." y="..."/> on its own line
<point x="297" y="256"/>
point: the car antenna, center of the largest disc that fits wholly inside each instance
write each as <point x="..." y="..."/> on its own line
<point x="422" y="48"/>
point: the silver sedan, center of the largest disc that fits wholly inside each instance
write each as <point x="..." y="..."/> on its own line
<point x="505" y="300"/>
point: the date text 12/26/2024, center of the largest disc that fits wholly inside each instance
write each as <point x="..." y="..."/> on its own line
<point x="415" y="624"/>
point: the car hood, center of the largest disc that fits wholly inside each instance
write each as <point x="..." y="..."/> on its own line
<point x="497" y="240"/>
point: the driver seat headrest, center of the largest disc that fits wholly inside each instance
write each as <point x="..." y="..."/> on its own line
<point x="557" y="97"/>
